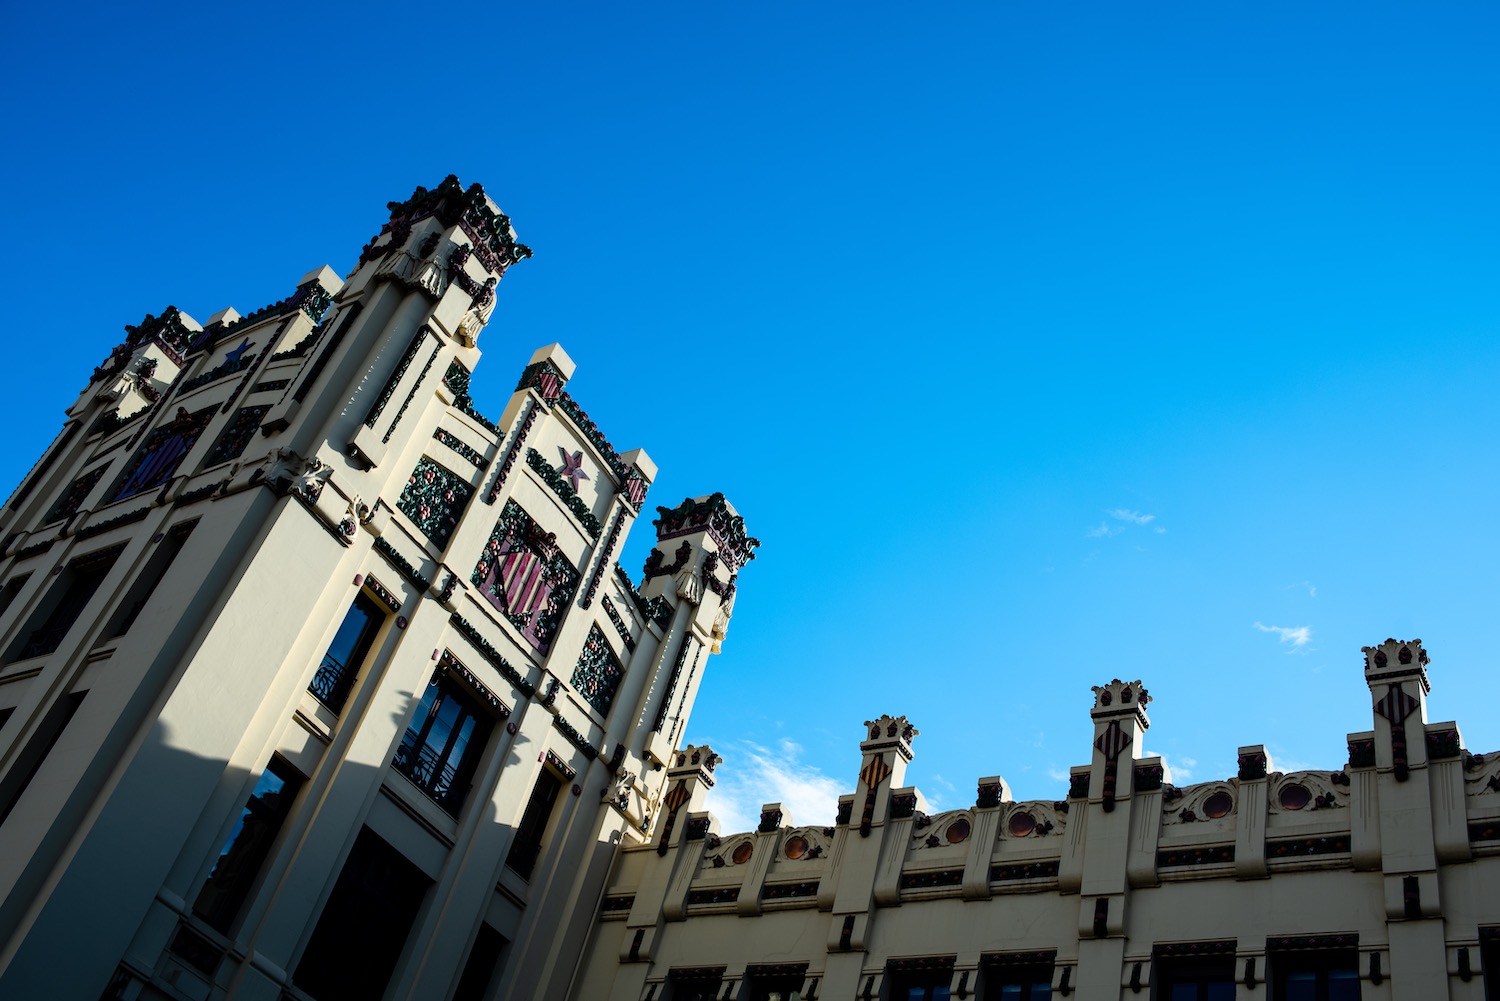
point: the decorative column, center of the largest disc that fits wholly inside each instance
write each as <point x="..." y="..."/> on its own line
<point x="663" y="896"/>
<point x="885" y="753"/>
<point x="1120" y="722"/>
<point x="1396" y="672"/>
<point x="1251" y="812"/>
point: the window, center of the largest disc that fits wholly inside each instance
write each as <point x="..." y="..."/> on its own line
<point x="249" y="843"/>
<point x="444" y="741"/>
<point x="1314" y="974"/>
<point x="351" y="644"/>
<point x="925" y="979"/>
<point x="1193" y="971"/>
<point x="363" y="927"/>
<point x="1489" y="960"/>
<point x="64" y="603"/>
<point x="11" y="589"/>
<point x="701" y="984"/>
<point x="30" y="760"/>
<point x="481" y="966"/>
<point x="528" y="841"/>
<point x="1011" y="976"/>
<point x="145" y="583"/>
<point x="776" y="983"/>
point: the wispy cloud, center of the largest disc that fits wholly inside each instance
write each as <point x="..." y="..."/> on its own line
<point x="1058" y="774"/>
<point x="1121" y="518"/>
<point x="1181" y="769"/>
<point x="1297" y="636"/>
<point x="1312" y="589"/>
<point x="753" y="775"/>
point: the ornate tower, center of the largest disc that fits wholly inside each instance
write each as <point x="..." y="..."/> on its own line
<point x="301" y="653"/>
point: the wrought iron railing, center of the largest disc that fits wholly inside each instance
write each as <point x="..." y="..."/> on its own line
<point x="45" y="640"/>
<point x="430" y="773"/>
<point x="332" y="683"/>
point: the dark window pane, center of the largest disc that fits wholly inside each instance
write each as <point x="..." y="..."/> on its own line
<point x="346" y="654"/>
<point x="11" y="589"/>
<point x="247" y="846"/>
<point x="775" y="988"/>
<point x="34" y="754"/>
<point x="1017" y="982"/>
<point x="67" y="600"/>
<point x="145" y="583"/>
<point x="528" y="842"/>
<point x="442" y="746"/>
<point x="363" y="927"/>
<point x="1343" y="985"/>
<point x="1300" y="987"/>
<point x="479" y="969"/>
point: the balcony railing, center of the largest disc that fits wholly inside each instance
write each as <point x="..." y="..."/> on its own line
<point x="332" y="683"/>
<point x="430" y="773"/>
<point x="45" y="640"/>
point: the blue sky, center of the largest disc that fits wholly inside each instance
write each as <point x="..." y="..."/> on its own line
<point x="1040" y="344"/>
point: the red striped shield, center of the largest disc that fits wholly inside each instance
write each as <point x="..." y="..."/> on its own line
<point x="1112" y="741"/>
<point x="521" y="581"/>
<point x="876" y="772"/>
<point x="1396" y="705"/>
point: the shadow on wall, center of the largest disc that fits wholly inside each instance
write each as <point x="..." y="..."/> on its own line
<point x="341" y="878"/>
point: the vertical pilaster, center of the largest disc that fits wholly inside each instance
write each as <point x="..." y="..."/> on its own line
<point x="1397" y="676"/>
<point x="1252" y="812"/>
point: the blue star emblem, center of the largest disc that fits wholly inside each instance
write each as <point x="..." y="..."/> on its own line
<point x="234" y="355"/>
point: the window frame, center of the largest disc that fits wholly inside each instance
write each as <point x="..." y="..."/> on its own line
<point x="1318" y="955"/>
<point x="932" y="975"/>
<point x="341" y="681"/>
<point x="705" y="982"/>
<point x="446" y="688"/>
<point x="239" y="888"/>
<point x="63" y="605"/>
<point x="1026" y="970"/>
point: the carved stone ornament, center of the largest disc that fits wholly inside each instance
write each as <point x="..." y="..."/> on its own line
<point x="689" y="585"/>
<point x="289" y="472"/>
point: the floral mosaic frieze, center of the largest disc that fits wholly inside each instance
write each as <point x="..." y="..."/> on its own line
<point x="597" y="676"/>
<point x="236" y="436"/>
<point x="434" y="498"/>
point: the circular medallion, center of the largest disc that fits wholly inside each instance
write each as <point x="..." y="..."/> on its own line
<point x="1218" y="805"/>
<point x="958" y="831"/>
<point x="1021" y="824"/>
<point x="742" y="852"/>
<point x="1295" y="796"/>
<point x="795" y="847"/>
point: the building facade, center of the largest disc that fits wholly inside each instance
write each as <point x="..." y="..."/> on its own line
<point x="1377" y="879"/>
<point x="318" y="683"/>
